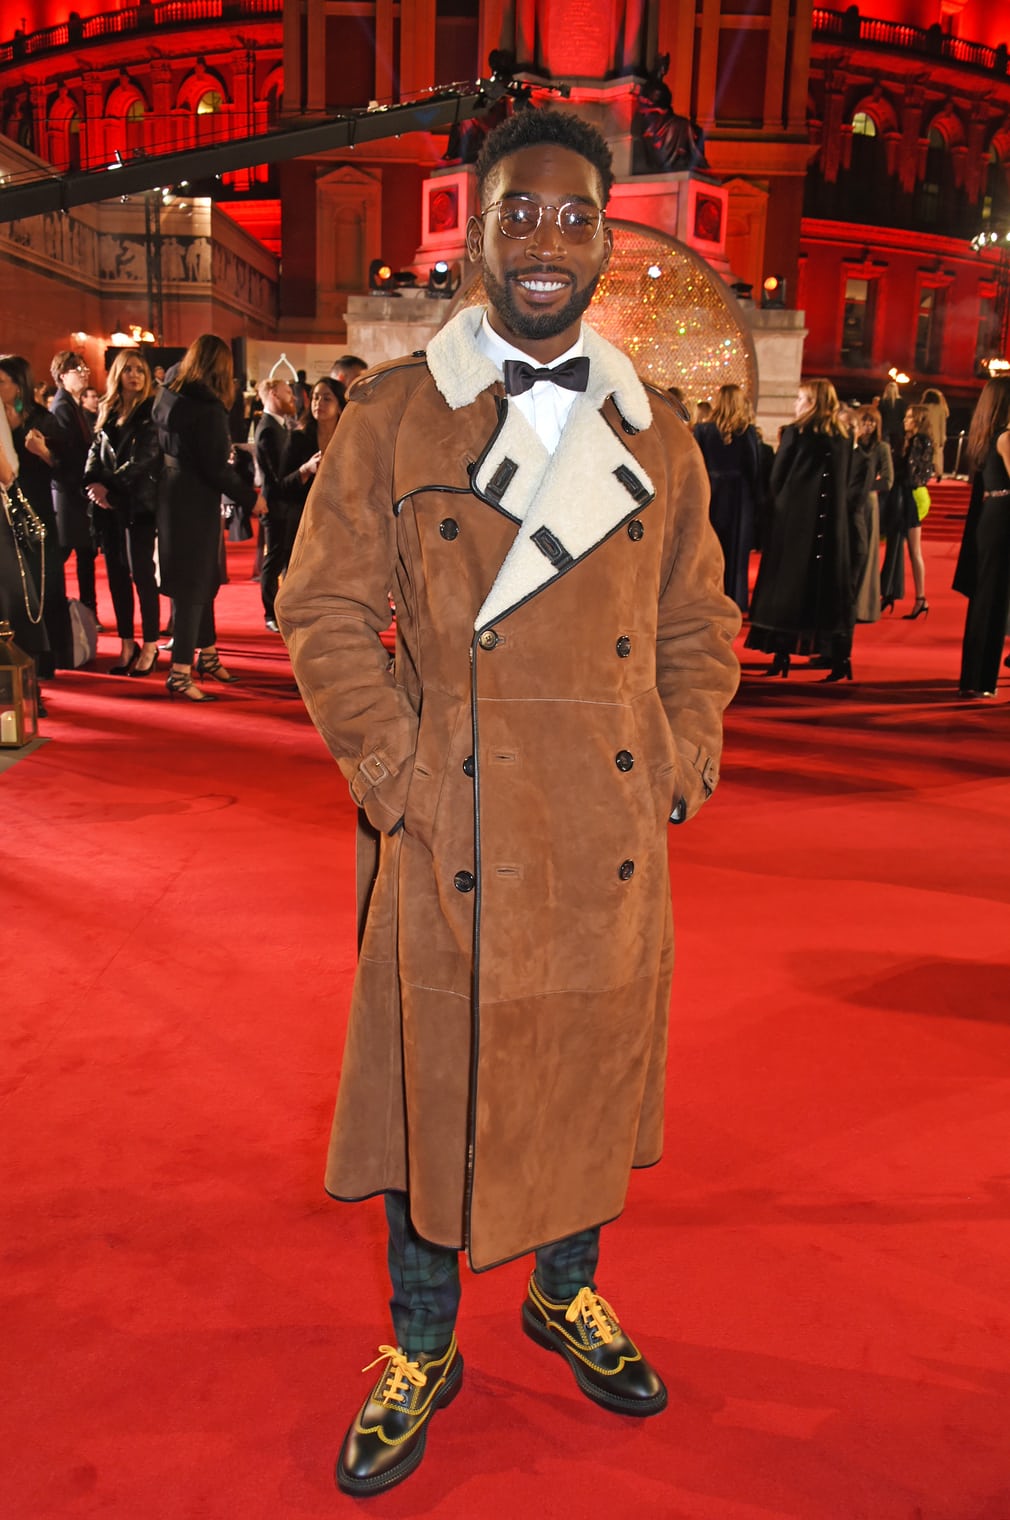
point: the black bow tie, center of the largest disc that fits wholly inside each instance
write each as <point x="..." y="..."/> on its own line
<point x="573" y="375"/>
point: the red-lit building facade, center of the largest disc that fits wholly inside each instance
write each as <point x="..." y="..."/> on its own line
<point x="858" y="156"/>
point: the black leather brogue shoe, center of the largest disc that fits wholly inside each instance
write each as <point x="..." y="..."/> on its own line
<point x="608" y="1366"/>
<point x="386" y="1441"/>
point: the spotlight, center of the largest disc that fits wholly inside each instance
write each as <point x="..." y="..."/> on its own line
<point x="743" y="292"/>
<point x="441" y="281"/>
<point x="380" y="276"/>
<point x="773" y="292"/>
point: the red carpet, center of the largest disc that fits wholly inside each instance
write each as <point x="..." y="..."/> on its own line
<point x="820" y="1267"/>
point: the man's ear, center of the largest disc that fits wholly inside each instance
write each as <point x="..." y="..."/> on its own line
<point x="474" y="239"/>
<point x="608" y="247"/>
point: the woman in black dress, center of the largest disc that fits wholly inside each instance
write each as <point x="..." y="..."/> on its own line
<point x="913" y="467"/>
<point x="121" y="478"/>
<point x="729" y="446"/>
<point x="307" y="445"/>
<point x="983" y="566"/>
<point x="803" y="599"/>
<point x="191" y="415"/>
<point x="31" y="426"/>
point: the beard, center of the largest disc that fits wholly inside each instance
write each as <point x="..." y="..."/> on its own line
<point x="534" y="326"/>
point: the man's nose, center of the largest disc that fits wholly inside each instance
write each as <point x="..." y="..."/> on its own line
<point x="547" y="242"/>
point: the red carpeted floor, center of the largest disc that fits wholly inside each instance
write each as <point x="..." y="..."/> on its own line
<point x="820" y="1267"/>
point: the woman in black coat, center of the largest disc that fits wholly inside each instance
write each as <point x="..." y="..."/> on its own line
<point x="913" y="467"/>
<point x="306" y="447"/>
<point x="803" y="599"/>
<point x="983" y="566"/>
<point x="31" y="426"/>
<point x="729" y="447"/>
<point x="871" y="477"/>
<point x="191" y="415"/>
<point x="69" y="442"/>
<point x="121" y="478"/>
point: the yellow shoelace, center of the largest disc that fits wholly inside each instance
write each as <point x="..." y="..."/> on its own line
<point x="401" y="1373"/>
<point x="597" y="1315"/>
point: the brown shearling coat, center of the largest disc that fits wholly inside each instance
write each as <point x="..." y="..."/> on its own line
<point x="564" y="656"/>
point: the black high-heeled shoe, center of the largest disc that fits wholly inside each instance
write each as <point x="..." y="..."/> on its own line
<point x="210" y="665"/>
<point x="886" y="604"/>
<point x="779" y="666"/>
<point x="181" y="684"/>
<point x="920" y="609"/>
<point x="145" y="670"/>
<point x="840" y="672"/>
<point x="125" y="667"/>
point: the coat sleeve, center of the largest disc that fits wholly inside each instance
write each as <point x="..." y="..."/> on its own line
<point x="209" y="456"/>
<point x="697" y="670"/>
<point x="334" y="604"/>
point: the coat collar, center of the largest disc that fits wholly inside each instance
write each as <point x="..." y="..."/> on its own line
<point x="461" y="371"/>
<point x="567" y="503"/>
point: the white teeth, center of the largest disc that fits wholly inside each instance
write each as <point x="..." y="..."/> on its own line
<point x="542" y="285"/>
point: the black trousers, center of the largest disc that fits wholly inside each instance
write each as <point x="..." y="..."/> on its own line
<point x="129" y="561"/>
<point x="985" y="625"/>
<point x="275" y="539"/>
<point x="426" y="1285"/>
<point x="85" y="576"/>
<point x="192" y="629"/>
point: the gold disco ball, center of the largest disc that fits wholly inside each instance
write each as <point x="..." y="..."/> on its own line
<point x="669" y="312"/>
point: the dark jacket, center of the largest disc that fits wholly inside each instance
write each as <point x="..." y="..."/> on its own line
<point x="804" y="586"/>
<point x="69" y="442"/>
<point x="194" y="439"/>
<point x="126" y="459"/>
<point x="271" y="441"/>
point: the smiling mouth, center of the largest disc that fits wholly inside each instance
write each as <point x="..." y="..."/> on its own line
<point x="542" y="284"/>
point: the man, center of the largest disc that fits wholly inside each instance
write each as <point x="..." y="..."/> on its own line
<point x="69" y="444"/>
<point x="270" y="442"/>
<point x="347" y="368"/>
<point x="563" y="661"/>
<point x="91" y="400"/>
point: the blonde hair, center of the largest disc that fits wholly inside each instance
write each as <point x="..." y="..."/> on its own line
<point x="731" y="413"/>
<point x="821" y="415"/>
<point x="114" y="401"/>
<point x="208" y="362"/>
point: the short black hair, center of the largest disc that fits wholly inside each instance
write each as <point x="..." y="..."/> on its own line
<point x="529" y="128"/>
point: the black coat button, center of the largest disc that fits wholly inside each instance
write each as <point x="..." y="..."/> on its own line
<point x="626" y="870"/>
<point x="623" y="646"/>
<point x="469" y="769"/>
<point x="449" y="528"/>
<point x="635" y="531"/>
<point x="488" y="639"/>
<point x="463" y="881"/>
<point x="624" y="760"/>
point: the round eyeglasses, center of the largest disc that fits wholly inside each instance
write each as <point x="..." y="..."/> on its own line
<point x="577" y="221"/>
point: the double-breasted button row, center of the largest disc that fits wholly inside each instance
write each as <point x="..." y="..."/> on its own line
<point x="463" y="881"/>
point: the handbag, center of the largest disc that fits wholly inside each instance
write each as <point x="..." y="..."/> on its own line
<point x="28" y="532"/>
<point x="922" y="500"/>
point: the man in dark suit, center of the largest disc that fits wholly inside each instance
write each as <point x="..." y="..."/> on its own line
<point x="271" y="443"/>
<point x="69" y="445"/>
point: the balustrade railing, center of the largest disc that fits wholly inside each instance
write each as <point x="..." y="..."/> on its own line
<point x="144" y="17"/>
<point x="931" y="41"/>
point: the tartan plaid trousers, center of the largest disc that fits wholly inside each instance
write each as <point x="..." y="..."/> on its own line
<point x="426" y="1285"/>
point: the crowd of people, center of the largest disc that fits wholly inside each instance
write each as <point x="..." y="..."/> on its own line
<point x="146" y="474"/>
<point x="834" y="509"/>
<point x="142" y="473"/>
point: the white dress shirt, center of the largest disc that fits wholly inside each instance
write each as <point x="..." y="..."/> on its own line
<point x="545" y="406"/>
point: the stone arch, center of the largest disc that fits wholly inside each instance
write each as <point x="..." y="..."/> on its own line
<point x="878" y="108"/>
<point x="947" y="124"/>
<point x="126" y="110"/>
<point x="64" y="123"/>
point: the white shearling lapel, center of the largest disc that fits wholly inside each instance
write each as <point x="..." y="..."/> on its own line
<point x="565" y="503"/>
<point x="587" y="488"/>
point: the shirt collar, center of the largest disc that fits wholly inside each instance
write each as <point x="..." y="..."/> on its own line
<point x="497" y="349"/>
